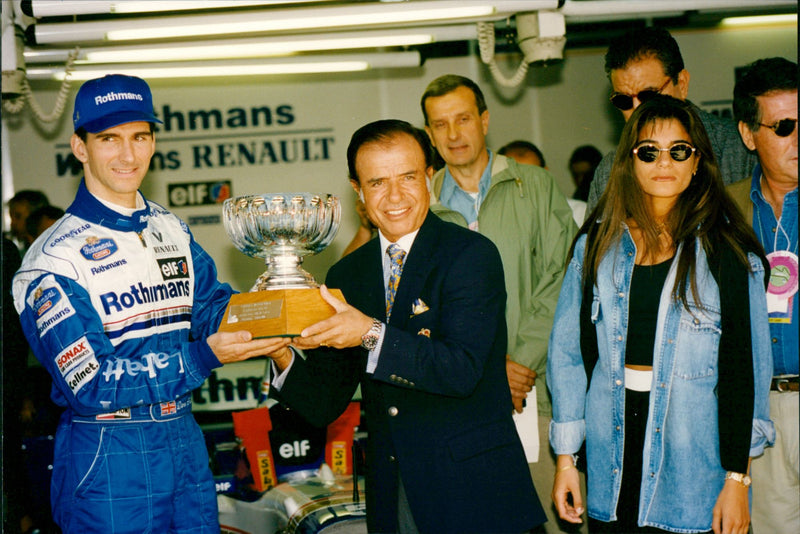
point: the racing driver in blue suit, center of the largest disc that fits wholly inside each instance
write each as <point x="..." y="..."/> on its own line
<point x="121" y="305"/>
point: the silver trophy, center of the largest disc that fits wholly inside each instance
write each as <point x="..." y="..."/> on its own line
<point x="282" y="228"/>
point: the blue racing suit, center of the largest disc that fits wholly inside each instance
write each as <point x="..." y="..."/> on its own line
<point x="118" y="308"/>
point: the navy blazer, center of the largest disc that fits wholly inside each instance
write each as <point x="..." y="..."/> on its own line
<point x="438" y="406"/>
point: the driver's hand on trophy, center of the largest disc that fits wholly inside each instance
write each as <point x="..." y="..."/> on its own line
<point x="344" y="329"/>
<point x="231" y="347"/>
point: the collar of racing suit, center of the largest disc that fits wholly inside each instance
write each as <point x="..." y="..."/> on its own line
<point x="87" y="207"/>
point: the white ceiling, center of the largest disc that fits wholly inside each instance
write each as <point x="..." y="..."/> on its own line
<point x="54" y="28"/>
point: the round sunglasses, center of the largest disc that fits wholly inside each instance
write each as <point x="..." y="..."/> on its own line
<point x="624" y="102"/>
<point x="678" y="152"/>
<point x="782" y="128"/>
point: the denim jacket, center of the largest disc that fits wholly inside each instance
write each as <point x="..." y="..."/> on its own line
<point x="682" y="474"/>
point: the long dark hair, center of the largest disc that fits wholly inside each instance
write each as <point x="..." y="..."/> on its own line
<point x="703" y="211"/>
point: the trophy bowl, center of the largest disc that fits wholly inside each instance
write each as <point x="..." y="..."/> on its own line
<point x="282" y="228"/>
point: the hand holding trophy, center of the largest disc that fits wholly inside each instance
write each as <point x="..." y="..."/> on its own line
<point x="282" y="228"/>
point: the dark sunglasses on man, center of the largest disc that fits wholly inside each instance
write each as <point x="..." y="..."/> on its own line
<point x="625" y="102"/>
<point x="782" y="128"/>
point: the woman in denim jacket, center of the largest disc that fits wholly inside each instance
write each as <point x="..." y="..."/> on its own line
<point x="678" y="373"/>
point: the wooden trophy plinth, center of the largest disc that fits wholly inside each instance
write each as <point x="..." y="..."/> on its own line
<point x="277" y="312"/>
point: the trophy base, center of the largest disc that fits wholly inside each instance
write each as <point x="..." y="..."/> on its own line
<point x="276" y="312"/>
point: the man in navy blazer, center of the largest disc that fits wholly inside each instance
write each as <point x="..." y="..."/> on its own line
<point x="443" y="454"/>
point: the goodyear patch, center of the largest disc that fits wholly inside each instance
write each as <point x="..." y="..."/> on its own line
<point x="69" y="235"/>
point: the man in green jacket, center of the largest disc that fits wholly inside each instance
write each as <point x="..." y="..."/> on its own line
<point x="520" y="208"/>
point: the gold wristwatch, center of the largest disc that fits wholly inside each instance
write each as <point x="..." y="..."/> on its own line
<point x="741" y="478"/>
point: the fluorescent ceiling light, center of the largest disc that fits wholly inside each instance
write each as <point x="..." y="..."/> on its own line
<point x="221" y="69"/>
<point x="250" y="49"/>
<point x="610" y="10"/>
<point x="146" y="6"/>
<point x="286" y="20"/>
<point x="253" y="47"/>
<point x="248" y="25"/>
<point x="200" y="71"/>
<point x="56" y="8"/>
<point x="759" y="20"/>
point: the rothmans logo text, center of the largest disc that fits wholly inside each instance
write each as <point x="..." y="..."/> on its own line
<point x="141" y="294"/>
<point x="111" y="97"/>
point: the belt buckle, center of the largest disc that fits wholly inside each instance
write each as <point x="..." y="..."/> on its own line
<point x="785" y="384"/>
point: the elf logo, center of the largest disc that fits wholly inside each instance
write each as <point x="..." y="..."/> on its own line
<point x="172" y="268"/>
<point x="294" y="449"/>
<point x="198" y="193"/>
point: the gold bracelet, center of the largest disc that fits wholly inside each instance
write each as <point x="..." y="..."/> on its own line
<point x="742" y="478"/>
<point x="564" y="468"/>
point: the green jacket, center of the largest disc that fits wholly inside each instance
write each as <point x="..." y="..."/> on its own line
<point x="528" y="219"/>
<point x="740" y="193"/>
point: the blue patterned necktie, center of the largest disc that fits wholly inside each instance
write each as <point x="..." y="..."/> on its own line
<point x="396" y="257"/>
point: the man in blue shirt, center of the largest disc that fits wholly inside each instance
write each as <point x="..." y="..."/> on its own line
<point x="765" y="106"/>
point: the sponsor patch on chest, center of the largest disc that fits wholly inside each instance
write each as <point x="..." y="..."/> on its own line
<point x="172" y="268"/>
<point x="97" y="248"/>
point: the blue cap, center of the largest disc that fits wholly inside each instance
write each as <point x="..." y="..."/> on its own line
<point x="112" y="100"/>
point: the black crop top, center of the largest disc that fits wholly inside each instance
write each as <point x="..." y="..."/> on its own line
<point x="646" y="286"/>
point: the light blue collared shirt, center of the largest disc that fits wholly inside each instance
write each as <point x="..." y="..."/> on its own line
<point x="467" y="204"/>
<point x="779" y="234"/>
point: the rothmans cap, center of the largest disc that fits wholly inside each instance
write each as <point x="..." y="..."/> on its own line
<point x="112" y="100"/>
